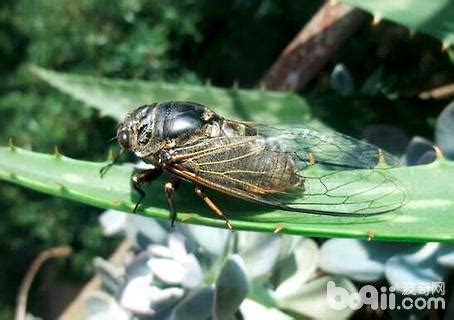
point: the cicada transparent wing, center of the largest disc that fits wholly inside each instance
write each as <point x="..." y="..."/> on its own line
<point x="341" y="175"/>
<point x="295" y="169"/>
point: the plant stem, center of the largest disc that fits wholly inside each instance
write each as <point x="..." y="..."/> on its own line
<point x="313" y="47"/>
<point x="21" y="304"/>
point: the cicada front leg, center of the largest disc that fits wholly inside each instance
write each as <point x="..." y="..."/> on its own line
<point x="142" y="178"/>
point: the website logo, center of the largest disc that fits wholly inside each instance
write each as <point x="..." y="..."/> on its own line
<point x="418" y="296"/>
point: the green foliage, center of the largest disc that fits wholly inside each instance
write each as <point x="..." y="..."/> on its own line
<point x="83" y="38"/>
<point x="115" y="97"/>
<point x="114" y="191"/>
<point x="435" y="18"/>
<point x="81" y="181"/>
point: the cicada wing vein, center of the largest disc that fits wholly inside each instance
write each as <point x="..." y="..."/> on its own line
<point x="295" y="169"/>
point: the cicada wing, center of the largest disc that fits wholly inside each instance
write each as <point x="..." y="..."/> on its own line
<point x="296" y="169"/>
<point x="342" y="175"/>
<point x="333" y="150"/>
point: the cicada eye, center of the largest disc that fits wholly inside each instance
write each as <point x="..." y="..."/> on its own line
<point x="123" y="139"/>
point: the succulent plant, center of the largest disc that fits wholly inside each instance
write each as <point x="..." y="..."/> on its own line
<point x="195" y="272"/>
<point x="430" y="17"/>
<point x="410" y="268"/>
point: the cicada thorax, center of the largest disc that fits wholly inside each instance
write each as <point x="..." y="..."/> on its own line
<point x="151" y="128"/>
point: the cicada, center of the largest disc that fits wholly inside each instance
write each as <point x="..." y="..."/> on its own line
<point x="291" y="168"/>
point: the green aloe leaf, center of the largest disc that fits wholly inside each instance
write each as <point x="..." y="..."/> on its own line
<point x="426" y="217"/>
<point x="116" y="97"/>
<point x="435" y="18"/>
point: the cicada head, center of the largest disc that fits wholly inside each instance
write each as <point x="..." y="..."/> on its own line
<point x="148" y="129"/>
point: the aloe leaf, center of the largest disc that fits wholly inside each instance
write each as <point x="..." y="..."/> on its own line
<point x="79" y="180"/>
<point x="426" y="217"/>
<point x="116" y="97"/>
<point x="435" y="18"/>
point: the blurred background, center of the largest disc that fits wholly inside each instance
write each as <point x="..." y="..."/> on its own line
<point x="224" y="42"/>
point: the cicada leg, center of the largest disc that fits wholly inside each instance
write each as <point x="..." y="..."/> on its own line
<point x="212" y="206"/>
<point x="106" y="168"/>
<point x="140" y="179"/>
<point x="170" y="188"/>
